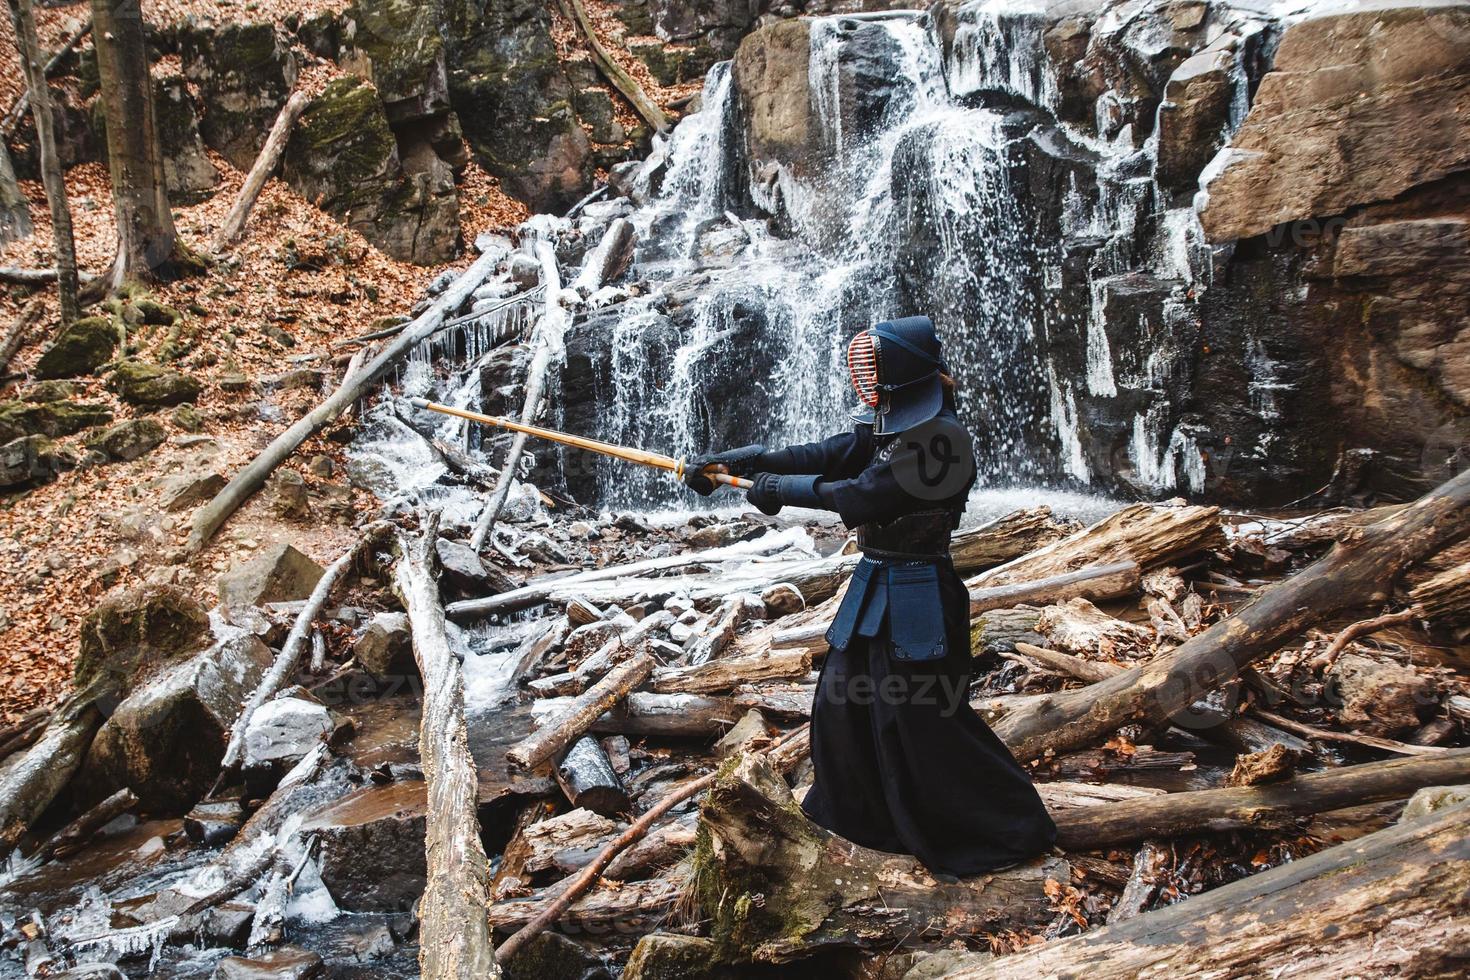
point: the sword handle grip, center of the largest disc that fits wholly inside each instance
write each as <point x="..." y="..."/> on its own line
<point x="739" y="483"/>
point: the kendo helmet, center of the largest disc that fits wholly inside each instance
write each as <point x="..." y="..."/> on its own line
<point x="895" y="367"/>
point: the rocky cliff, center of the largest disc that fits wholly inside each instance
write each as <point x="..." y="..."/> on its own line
<point x="1174" y="246"/>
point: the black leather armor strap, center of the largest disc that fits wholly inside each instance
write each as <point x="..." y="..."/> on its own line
<point x="920" y="536"/>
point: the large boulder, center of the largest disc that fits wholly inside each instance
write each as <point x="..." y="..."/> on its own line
<point x="15" y="207"/>
<point x="514" y="100"/>
<point x="58" y="418"/>
<point x="396" y="45"/>
<point x="1361" y="104"/>
<point x="79" y="349"/>
<point x="284" y="730"/>
<point x="372" y="847"/>
<point x="770" y="77"/>
<point x="132" y="632"/>
<point x="1194" y="117"/>
<point x="278" y="574"/>
<point x="187" y="172"/>
<point x="244" y="72"/>
<point x="128" y="440"/>
<point x="165" y="740"/>
<point x="343" y="157"/>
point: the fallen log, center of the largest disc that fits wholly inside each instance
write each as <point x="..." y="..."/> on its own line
<point x="1145" y="534"/>
<point x="1444" y="596"/>
<point x="265" y="164"/>
<point x="587" y="778"/>
<point x="645" y="713"/>
<point x="568" y="841"/>
<point x="1099" y="581"/>
<point x="579" y="885"/>
<point x="635" y="906"/>
<point x="548" y="347"/>
<point x="22" y="733"/>
<point x="1360" y="570"/>
<point x="1387" y="904"/>
<point x="609" y="259"/>
<point x="75" y="835"/>
<point x="581" y="713"/>
<point x="209" y="518"/>
<point x="1268" y="806"/>
<point x="1349" y="738"/>
<point x="626" y="85"/>
<point x="20" y="327"/>
<point x="718" y="676"/>
<point x="620" y="647"/>
<point x="775" y="886"/>
<point x="454" y="936"/>
<point x="30" y="782"/>
<point x="727" y="621"/>
<point x="286" y="662"/>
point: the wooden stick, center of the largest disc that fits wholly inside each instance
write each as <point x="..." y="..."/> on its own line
<point x="265" y="164"/>
<point x="583" y="710"/>
<point x="209" y="518"/>
<point x="1353" y="632"/>
<point x="454" y="935"/>
<point x="626" y="85"/>
<point x="1367" y="741"/>
<point x="74" y="836"/>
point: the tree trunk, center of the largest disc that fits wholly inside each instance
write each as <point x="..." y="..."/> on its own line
<point x="1265" y="807"/>
<point x="265" y="165"/>
<point x="145" y="225"/>
<point x="776" y="886"/>
<point x="30" y="782"/>
<point x="51" y="178"/>
<point x="454" y="936"/>
<point x="1391" y="903"/>
<point x="730" y="672"/>
<point x="15" y="207"/>
<point x="1360" y="570"/>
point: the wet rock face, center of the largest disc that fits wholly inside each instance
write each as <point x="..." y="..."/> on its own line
<point x="771" y="75"/>
<point x="245" y="73"/>
<point x="280" y="574"/>
<point x="396" y="45"/>
<point x="372" y="848"/>
<point x="1358" y="107"/>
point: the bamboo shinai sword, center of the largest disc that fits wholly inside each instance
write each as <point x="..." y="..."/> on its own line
<point x="656" y="460"/>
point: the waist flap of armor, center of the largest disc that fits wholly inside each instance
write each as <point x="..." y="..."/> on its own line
<point x="924" y="534"/>
<point x="906" y="596"/>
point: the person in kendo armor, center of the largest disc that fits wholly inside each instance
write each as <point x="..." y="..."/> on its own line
<point x="902" y="762"/>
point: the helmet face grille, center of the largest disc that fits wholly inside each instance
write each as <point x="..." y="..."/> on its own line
<point x="862" y="363"/>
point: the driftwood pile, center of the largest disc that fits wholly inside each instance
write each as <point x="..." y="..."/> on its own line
<point x="1201" y="699"/>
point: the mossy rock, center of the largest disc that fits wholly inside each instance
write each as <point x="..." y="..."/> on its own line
<point x="552" y="955"/>
<point x="342" y="156"/>
<point x="670" y="65"/>
<point x="154" y="313"/>
<point x="80" y="349"/>
<point x="129" y="439"/>
<point x="49" y="391"/>
<point x="132" y="631"/>
<point x="671" y="956"/>
<point x="245" y="72"/>
<point x="18" y="418"/>
<point x="403" y="48"/>
<point x="142" y="383"/>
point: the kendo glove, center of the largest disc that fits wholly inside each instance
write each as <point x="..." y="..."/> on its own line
<point x="770" y="492"/>
<point x="737" y="462"/>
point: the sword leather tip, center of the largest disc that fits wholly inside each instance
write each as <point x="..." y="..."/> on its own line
<point x="419" y="402"/>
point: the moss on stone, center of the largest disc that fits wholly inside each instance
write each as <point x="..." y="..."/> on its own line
<point x="142" y="383"/>
<point x="80" y="349"/>
<point x="134" y="630"/>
